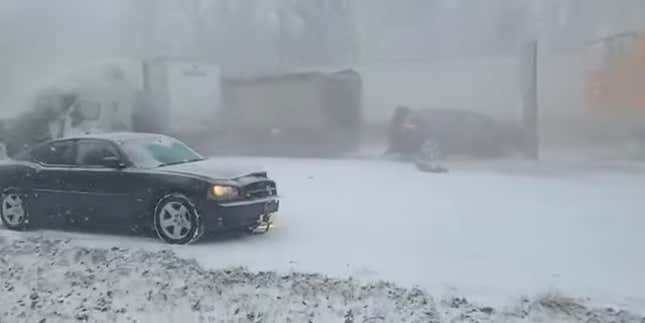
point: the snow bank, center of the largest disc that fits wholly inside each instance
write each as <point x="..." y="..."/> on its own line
<point x="53" y="281"/>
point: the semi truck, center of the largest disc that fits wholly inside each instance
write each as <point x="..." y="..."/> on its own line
<point x="304" y="113"/>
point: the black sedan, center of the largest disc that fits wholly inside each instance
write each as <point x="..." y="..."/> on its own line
<point x="133" y="180"/>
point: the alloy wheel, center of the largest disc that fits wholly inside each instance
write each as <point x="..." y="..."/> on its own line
<point x="13" y="210"/>
<point x="174" y="220"/>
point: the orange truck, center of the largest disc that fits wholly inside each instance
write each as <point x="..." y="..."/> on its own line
<point x="615" y="76"/>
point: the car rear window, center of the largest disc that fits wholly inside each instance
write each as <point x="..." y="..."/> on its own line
<point x="92" y="152"/>
<point x="55" y="153"/>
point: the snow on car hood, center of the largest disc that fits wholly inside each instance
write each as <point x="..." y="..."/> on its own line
<point x="214" y="169"/>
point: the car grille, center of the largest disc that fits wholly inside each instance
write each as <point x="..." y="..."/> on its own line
<point x="261" y="189"/>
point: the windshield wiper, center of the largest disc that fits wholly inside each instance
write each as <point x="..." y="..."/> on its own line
<point x="181" y="162"/>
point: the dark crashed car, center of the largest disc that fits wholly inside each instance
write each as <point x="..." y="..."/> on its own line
<point x="450" y="132"/>
<point x="134" y="181"/>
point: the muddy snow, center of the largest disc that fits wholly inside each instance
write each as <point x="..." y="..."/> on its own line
<point x="53" y="281"/>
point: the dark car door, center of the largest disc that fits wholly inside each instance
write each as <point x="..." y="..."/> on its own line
<point x="103" y="188"/>
<point x="54" y="201"/>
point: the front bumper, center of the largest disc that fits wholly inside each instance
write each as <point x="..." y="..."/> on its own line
<point x="238" y="214"/>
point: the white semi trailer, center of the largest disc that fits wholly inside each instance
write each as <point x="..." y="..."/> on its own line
<point x="183" y="98"/>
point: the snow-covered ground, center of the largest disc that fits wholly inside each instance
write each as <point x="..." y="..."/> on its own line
<point x="494" y="233"/>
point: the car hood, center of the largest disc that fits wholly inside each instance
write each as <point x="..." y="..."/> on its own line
<point x="214" y="169"/>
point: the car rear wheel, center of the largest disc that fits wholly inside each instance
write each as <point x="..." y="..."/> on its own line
<point x="13" y="211"/>
<point x="177" y="220"/>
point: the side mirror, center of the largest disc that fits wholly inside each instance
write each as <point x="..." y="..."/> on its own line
<point x="112" y="162"/>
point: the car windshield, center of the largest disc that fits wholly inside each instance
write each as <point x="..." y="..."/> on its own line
<point x="158" y="151"/>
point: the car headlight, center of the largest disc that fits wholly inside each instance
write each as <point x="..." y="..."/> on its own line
<point x="223" y="192"/>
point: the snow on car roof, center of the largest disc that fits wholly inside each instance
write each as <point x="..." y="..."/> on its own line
<point x="116" y="136"/>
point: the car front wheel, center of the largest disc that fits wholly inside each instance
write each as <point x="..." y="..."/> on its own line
<point x="177" y="220"/>
<point x="13" y="211"/>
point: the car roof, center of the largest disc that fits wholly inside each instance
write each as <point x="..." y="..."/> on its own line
<point x="114" y="136"/>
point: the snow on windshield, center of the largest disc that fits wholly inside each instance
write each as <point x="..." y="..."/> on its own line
<point x="150" y="153"/>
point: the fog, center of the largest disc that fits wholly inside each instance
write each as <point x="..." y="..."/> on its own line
<point x="428" y="54"/>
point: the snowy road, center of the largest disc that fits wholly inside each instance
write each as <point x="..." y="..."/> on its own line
<point x="490" y="235"/>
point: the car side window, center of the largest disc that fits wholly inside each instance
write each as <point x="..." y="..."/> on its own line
<point x="56" y="153"/>
<point x="93" y="152"/>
